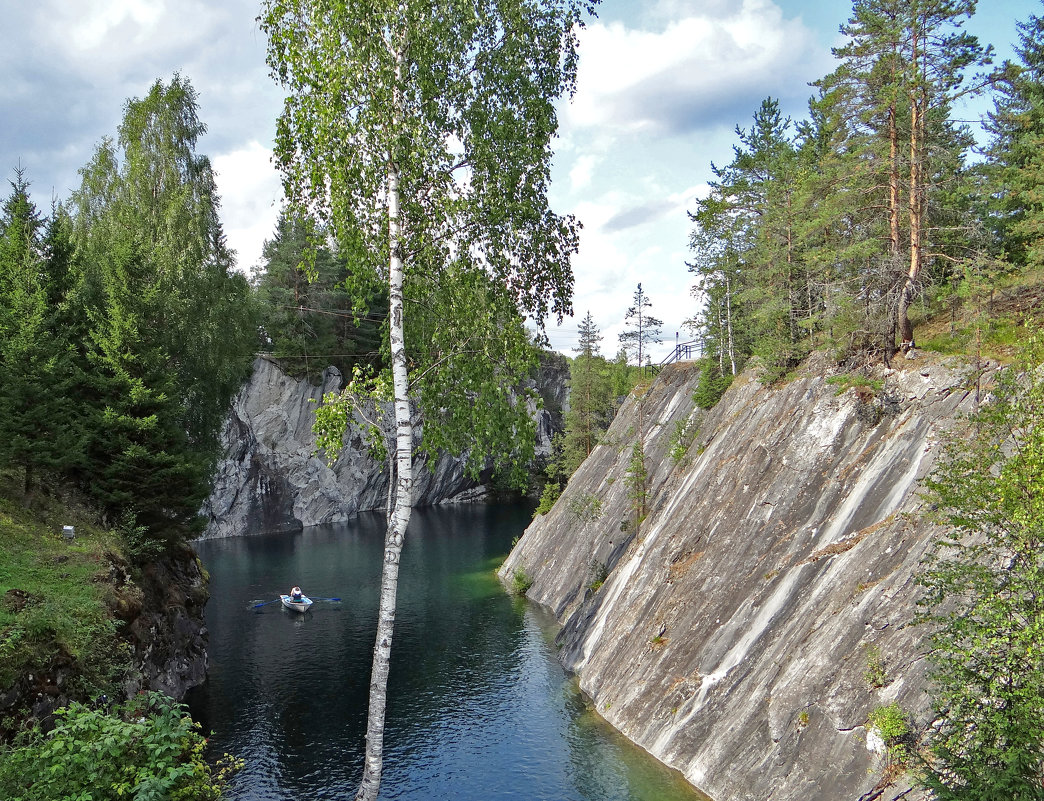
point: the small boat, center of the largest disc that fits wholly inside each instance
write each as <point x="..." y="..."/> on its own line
<point x="301" y="605"/>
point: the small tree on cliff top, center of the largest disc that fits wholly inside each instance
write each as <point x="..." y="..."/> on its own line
<point x="643" y="329"/>
<point x="421" y="136"/>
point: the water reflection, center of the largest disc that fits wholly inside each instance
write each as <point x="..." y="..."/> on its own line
<point x="478" y="706"/>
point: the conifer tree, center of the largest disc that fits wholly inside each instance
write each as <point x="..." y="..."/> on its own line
<point x="170" y="331"/>
<point x="643" y="329"/>
<point x="1016" y="154"/>
<point x="307" y="313"/>
<point x="40" y="412"/>
<point x="590" y="401"/>
<point x="905" y="63"/>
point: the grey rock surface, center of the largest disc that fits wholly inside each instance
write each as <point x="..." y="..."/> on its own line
<point x="733" y="633"/>
<point x="269" y="479"/>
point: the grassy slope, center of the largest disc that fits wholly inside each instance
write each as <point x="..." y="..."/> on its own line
<point x="990" y="326"/>
<point x="56" y="597"/>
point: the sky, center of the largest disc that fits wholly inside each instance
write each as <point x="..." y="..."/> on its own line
<point x="661" y="88"/>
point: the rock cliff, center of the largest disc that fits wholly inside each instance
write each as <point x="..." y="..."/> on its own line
<point x="269" y="479"/>
<point x="763" y="608"/>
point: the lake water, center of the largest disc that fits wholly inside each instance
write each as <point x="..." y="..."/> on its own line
<point x="479" y="708"/>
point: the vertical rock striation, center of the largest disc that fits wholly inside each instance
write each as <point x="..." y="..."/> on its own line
<point x="269" y="478"/>
<point x="763" y="609"/>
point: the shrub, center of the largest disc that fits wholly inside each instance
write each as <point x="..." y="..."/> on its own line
<point x="585" y="508"/>
<point x="521" y="581"/>
<point x="147" y="749"/>
<point x="893" y="726"/>
<point x="551" y="493"/>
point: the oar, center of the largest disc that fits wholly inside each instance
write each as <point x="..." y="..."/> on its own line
<point x="323" y="599"/>
<point x="264" y="603"/>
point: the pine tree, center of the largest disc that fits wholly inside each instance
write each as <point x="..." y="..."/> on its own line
<point x="642" y="330"/>
<point x="903" y="66"/>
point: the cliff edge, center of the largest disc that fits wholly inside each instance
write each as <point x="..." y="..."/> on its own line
<point x="762" y="610"/>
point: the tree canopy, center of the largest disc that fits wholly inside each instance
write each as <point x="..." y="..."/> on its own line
<point x="420" y="136"/>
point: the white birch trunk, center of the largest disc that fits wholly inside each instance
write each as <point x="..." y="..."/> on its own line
<point x="400" y="516"/>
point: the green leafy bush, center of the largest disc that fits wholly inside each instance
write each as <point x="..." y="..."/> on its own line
<point x="147" y="750"/>
<point x="551" y="493"/>
<point x="585" y="508"/>
<point x="893" y="726"/>
<point x="521" y="581"/>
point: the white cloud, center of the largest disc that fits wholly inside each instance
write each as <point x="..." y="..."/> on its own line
<point x="580" y="174"/>
<point x="250" y="191"/>
<point x="691" y="73"/>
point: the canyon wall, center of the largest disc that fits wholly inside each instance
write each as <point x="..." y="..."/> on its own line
<point x="763" y="608"/>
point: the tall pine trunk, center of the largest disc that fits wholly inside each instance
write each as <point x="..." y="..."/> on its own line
<point x="918" y="107"/>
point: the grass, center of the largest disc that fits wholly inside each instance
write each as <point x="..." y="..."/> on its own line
<point x="59" y="614"/>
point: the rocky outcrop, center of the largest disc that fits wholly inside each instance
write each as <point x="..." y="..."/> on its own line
<point x="761" y="611"/>
<point x="269" y="478"/>
<point x="163" y="612"/>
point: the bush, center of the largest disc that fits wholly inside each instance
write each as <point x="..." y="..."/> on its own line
<point x="147" y="749"/>
<point x="892" y="725"/>
<point x="551" y="493"/>
<point x="585" y="508"/>
<point x="520" y="582"/>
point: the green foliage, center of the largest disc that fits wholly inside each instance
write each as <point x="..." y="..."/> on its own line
<point x="552" y="492"/>
<point x="127" y="331"/>
<point x="982" y="598"/>
<point x="591" y="399"/>
<point x="874" y="674"/>
<point x="637" y="484"/>
<point x="1016" y="169"/>
<point x="147" y="749"/>
<point x="585" y="508"/>
<point x="892" y="725"/>
<point x="828" y="231"/>
<point x="39" y="419"/>
<point x="521" y="581"/>
<point x="308" y="316"/>
<point x="712" y="385"/>
<point x="599" y="572"/>
<point x="684" y="433"/>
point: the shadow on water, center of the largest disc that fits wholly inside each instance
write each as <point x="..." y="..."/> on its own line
<point x="479" y="708"/>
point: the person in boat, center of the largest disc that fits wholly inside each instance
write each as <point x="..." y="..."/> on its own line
<point x="296" y="594"/>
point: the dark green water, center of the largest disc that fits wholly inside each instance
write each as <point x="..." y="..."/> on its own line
<point x="479" y="708"/>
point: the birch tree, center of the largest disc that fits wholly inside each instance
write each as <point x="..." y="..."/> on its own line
<point x="419" y="133"/>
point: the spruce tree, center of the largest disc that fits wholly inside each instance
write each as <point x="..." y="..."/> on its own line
<point x="590" y="400"/>
<point x="1016" y="154"/>
<point x="37" y="406"/>
<point x="170" y="331"/>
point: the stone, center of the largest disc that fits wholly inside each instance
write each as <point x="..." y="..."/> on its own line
<point x="777" y="552"/>
<point x="270" y="479"/>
